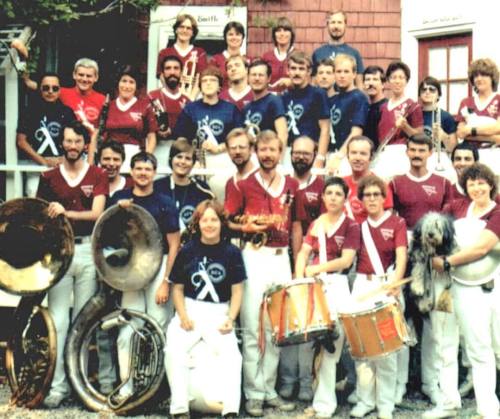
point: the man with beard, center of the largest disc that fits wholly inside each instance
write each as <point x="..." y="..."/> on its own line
<point x="306" y="107"/>
<point x="296" y="360"/>
<point x="239" y="92"/>
<point x="416" y="193"/>
<point x="39" y="130"/>
<point x="78" y="191"/>
<point x="373" y="84"/>
<point x="266" y="110"/>
<point x="348" y="111"/>
<point x="336" y="25"/>
<point x="263" y="207"/>
<point x="168" y="103"/>
<point x="110" y="156"/>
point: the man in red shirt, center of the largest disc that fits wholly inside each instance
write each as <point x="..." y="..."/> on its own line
<point x="82" y="98"/>
<point x="359" y="154"/>
<point x="238" y="92"/>
<point x="78" y="191"/>
<point x="262" y="209"/>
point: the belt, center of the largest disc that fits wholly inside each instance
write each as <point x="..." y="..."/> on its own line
<point x="82" y="239"/>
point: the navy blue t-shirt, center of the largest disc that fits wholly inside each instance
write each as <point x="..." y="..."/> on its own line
<point x="304" y="108"/>
<point x="372" y="120"/>
<point x="448" y="123"/>
<point x="330" y="51"/>
<point x="264" y="111"/>
<point x="347" y="109"/>
<point x="185" y="197"/>
<point x="159" y="205"/>
<point x="208" y="271"/>
<point x="202" y="121"/>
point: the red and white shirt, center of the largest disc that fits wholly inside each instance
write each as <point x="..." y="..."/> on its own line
<point x="172" y="104"/>
<point x="239" y="99"/>
<point x="345" y="234"/>
<point x="390" y="111"/>
<point x="388" y="233"/>
<point x="354" y="207"/>
<point x="279" y="67"/>
<point x="309" y="202"/>
<point x="252" y="197"/>
<point x="74" y="194"/>
<point x="199" y="54"/>
<point x="414" y="197"/>
<point x="131" y="122"/>
<point x="87" y="107"/>
<point x="462" y="208"/>
<point x="219" y="61"/>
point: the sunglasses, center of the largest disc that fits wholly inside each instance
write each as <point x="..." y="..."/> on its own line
<point x="431" y="89"/>
<point x="47" y="88"/>
<point x="372" y="195"/>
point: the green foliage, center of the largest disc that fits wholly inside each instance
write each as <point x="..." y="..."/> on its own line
<point x="39" y="13"/>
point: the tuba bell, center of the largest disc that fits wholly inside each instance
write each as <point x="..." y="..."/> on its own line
<point x="127" y="250"/>
<point x="35" y="253"/>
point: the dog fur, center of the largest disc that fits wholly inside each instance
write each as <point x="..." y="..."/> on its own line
<point x="433" y="235"/>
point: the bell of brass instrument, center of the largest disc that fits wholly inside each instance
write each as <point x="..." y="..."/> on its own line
<point x="190" y="78"/>
<point x="128" y="251"/>
<point x="35" y="252"/>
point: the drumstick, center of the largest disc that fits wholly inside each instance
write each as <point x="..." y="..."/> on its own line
<point x="382" y="288"/>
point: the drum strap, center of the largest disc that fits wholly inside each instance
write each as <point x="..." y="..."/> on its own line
<point x="371" y="249"/>
<point x="310" y="307"/>
<point x="283" y="311"/>
<point x="262" y="336"/>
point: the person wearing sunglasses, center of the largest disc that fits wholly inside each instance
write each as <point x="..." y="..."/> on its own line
<point x="429" y="94"/>
<point x="39" y="130"/>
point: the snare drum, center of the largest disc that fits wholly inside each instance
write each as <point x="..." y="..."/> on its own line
<point x="376" y="332"/>
<point x="298" y="311"/>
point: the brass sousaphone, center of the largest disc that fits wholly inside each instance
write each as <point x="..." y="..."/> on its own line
<point x="128" y="251"/>
<point x="35" y="253"/>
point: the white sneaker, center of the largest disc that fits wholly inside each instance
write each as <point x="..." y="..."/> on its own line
<point x="440" y="412"/>
<point x="432" y="393"/>
<point x="353" y="397"/>
<point x="53" y="400"/>
<point x="360" y="410"/>
<point x="384" y="415"/>
<point x="400" y="393"/>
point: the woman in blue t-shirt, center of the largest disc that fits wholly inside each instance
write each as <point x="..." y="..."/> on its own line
<point x="208" y="280"/>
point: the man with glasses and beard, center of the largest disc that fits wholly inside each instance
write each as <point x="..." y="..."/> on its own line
<point x="336" y="25"/>
<point x="39" y="130"/>
<point x="296" y="360"/>
<point x="168" y="102"/>
<point x="78" y="191"/>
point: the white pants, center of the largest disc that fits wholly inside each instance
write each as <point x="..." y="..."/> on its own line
<point x="223" y="377"/>
<point x="479" y="320"/>
<point x="338" y="298"/>
<point x="143" y="301"/>
<point x="162" y="152"/>
<point x="31" y="179"/>
<point x="376" y="378"/>
<point x="223" y="169"/>
<point x="79" y="281"/>
<point x="265" y="266"/>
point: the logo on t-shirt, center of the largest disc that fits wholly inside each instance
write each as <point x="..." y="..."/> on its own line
<point x="493" y="108"/>
<point x="335" y="115"/>
<point x="136" y="116"/>
<point x="216" y="272"/>
<point x="186" y="213"/>
<point x="429" y="189"/>
<point x="253" y="118"/>
<point x="387" y="233"/>
<point x="312" y="197"/>
<point x="339" y="240"/>
<point x="87" y="190"/>
<point x="293" y="115"/>
<point x="208" y="129"/>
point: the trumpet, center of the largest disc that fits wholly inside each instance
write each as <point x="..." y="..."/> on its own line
<point x="436" y="140"/>
<point x="190" y="78"/>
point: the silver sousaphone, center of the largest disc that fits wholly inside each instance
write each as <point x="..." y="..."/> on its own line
<point x="128" y="250"/>
<point x="483" y="270"/>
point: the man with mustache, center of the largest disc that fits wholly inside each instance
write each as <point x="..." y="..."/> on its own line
<point x="373" y="86"/>
<point x="336" y="25"/>
<point x="169" y="102"/>
<point x="416" y="193"/>
<point x="296" y="360"/>
<point x="77" y="190"/>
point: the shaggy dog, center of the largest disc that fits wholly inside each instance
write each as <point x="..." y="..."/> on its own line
<point x="434" y="235"/>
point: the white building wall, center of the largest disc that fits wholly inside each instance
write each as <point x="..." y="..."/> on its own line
<point x="431" y="18"/>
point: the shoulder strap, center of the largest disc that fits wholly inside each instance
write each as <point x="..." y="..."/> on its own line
<point x="371" y="249"/>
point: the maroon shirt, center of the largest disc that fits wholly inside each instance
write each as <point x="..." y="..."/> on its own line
<point x="197" y="52"/>
<point x="309" y="202"/>
<point x="459" y="208"/>
<point x="130" y="124"/>
<point x="74" y="195"/>
<point x="219" y="61"/>
<point x="408" y="108"/>
<point x="172" y="103"/>
<point x="86" y="107"/>
<point x="252" y="198"/>
<point x="240" y="100"/>
<point x="388" y="233"/>
<point x="346" y="235"/>
<point x="414" y="197"/>
<point x="279" y="68"/>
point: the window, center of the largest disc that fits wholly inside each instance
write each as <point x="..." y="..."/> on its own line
<point x="447" y="59"/>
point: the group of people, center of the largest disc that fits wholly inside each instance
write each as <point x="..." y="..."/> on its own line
<point x="267" y="130"/>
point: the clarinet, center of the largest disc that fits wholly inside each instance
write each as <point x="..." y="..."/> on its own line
<point x="160" y="114"/>
<point x="102" y="122"/>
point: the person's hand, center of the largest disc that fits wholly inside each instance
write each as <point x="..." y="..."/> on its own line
<point x="187" y="324"/>
<point x="438" y="264"/>
<point x="52" y="161"/>
<point x="162" y="293"/>
<point x="55" y="209"/>
<point x="165" y="133"/>
<point x="226" y="327"/>
<point x="401" y="122"/>
<point x="333" y="165"/>
<point x="210" y="147"/>
<point x="125" y="203"/>
<point x="463" y="131"/>
<point x="253" y="227"/>
<point x="312" y="270"/>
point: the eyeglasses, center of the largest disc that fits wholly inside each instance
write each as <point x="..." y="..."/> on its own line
<point x="302" y="154"/>
<point x="47" y="88"/>
<point x="373" y="195"/>
<point x="431" y="89"/>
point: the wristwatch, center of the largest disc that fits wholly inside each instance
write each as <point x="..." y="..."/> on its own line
<point x="446" y="265"/>
<point x="473" y="131"/>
